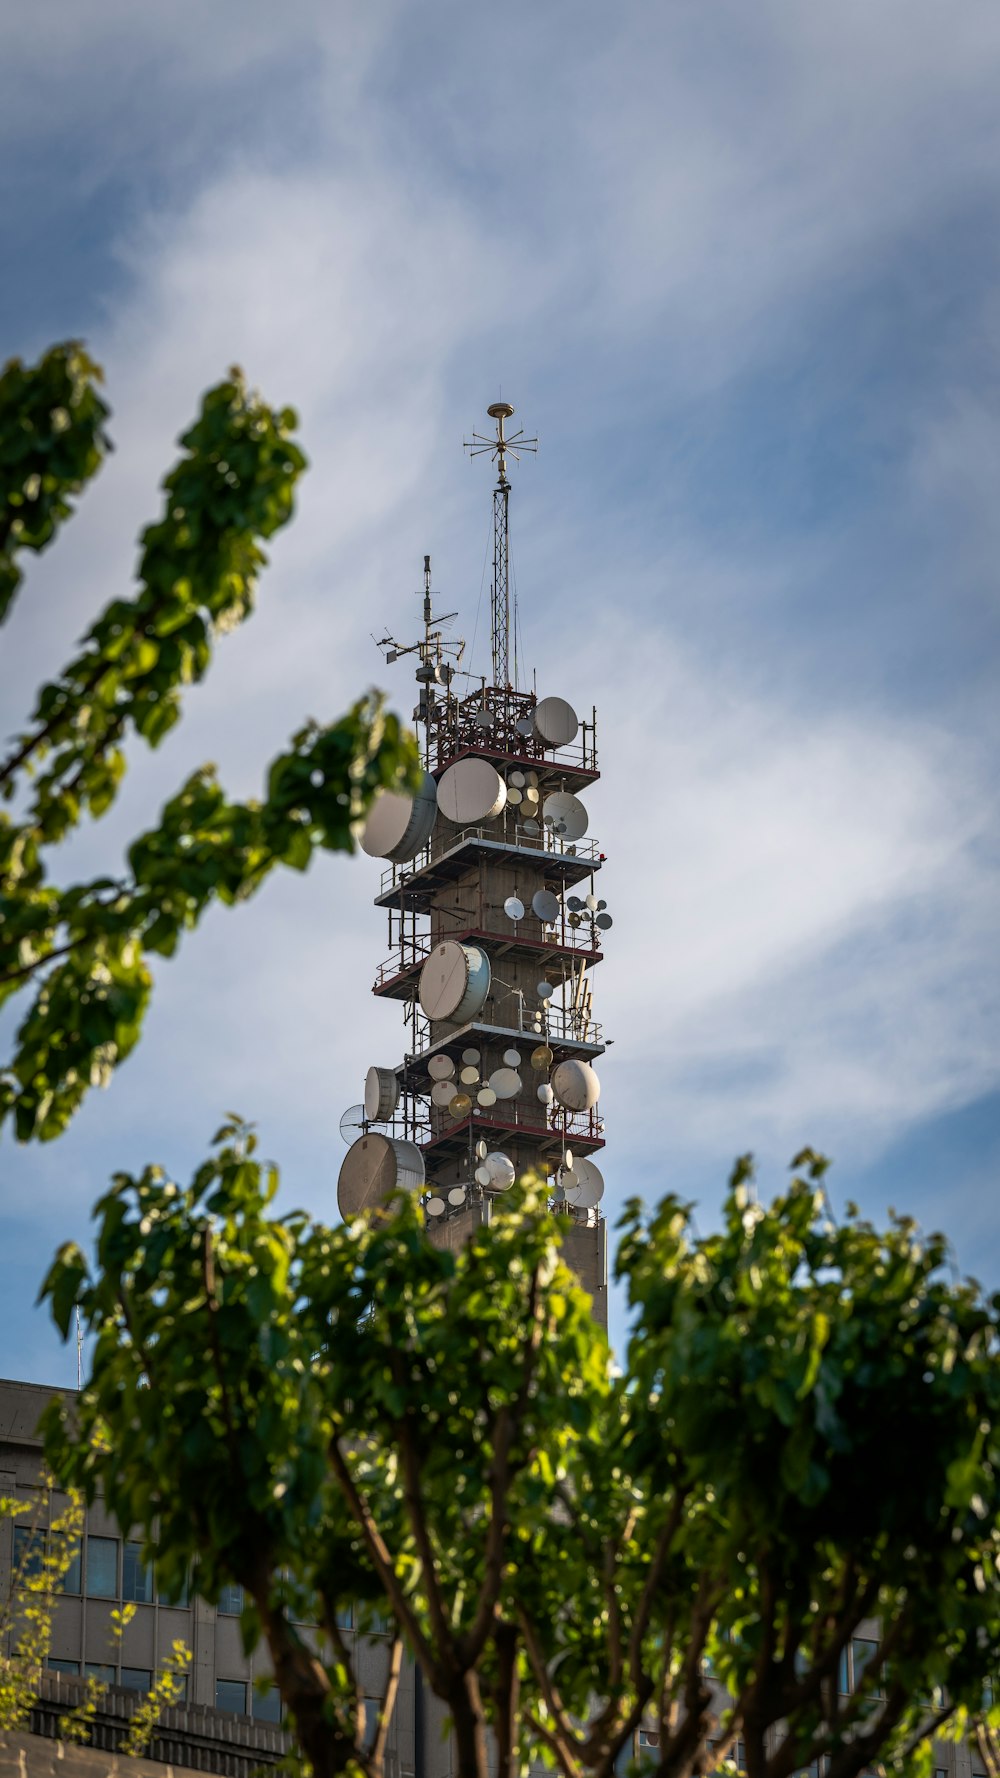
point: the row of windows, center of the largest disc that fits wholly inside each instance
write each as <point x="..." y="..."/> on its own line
<point x="102" y="1567"/>
<point x="230" y="1694"/>
<point x="105" y="1568"/>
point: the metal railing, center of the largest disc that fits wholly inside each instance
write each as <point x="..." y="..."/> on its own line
<point x="560" y="1023"/>
<point x="414" y="948"/>
<point x="545" y="844"/>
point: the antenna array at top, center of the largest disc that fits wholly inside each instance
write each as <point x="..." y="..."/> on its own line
<point x="498" y="448"/>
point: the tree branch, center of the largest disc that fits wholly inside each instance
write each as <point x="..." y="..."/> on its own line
<point x="377" y="1754"/>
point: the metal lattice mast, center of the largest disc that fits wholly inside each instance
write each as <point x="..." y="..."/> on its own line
<point x="499" y="448"/>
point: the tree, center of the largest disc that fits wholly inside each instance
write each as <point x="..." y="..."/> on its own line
<point x="804" y="1439"/>
<point x="82" y="951"/>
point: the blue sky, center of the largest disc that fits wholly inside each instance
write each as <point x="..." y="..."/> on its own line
<point x="737" y="266"/>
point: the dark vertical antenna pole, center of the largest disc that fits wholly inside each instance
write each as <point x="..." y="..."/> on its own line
<point x="499" y="448"/>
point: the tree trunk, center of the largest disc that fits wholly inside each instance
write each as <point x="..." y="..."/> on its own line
<point x="469" y="1727"/>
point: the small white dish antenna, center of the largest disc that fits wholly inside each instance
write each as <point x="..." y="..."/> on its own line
<point x="442" y="1094"/>
<point x="506" y="1083"/>
<point x="460" y="1105"/>
<point x="441" y="1067"/>
<point x="457" y="1195"/>
<point x="583" y="1185"/>
<point x="605" y="922"/>
<point x="532" y="828"/>
<point x="574" y="904"/>
<point x="576" y="1085"/>
<point x="469" y="1076"/>
<point x="545" y="1093"/>
<point x="482" y="1174"/>
<point x="381" y="1094"/>
<point x="486" y="1096"/>
<point x="435" y="1206"/>
<point x="513" y="796"/>
<point x="518" y="780"/>
<point x="541" y="1057"/>
<point x="514" y="908"/>
<point x="472" y="1057"/>
<point x="481" y="1151"/>
<point x="512" y="1058"/>
<point x="524" y="725"/>
<point x="544" y="990"/>
<point x="593" y="903"/>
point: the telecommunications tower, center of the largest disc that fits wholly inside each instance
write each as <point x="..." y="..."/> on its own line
<point x="495" y="929"/>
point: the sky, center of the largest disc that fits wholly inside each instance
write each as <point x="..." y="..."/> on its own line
<point x="738" y="267"/>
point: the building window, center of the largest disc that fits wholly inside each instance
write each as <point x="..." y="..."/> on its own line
<point x="29" y="1551"/>
<point x="181" y="1598"/>
<point x="864" y="1652"/>
<point x="267" y="1704"/>
<point x="231" y="1696"/>
<point x="72" y="1579"/>
<point x="102" y="1567"/>
<point x="230" y="1601"/>
<point x="372" y="1708"/>
<point x="136" y="1679"/>
<point x="100" y="1670"/>
<point x="137" y="1575"/>
<point x="70" y="1667"/>
<point x="345" y="1617"/>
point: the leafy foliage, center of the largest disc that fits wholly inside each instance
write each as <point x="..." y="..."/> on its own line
<point x="84" y="949"/>
<point x="26" y="1625"/>
<point x="802" y="1450"/>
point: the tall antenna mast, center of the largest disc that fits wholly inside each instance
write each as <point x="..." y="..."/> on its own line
<point x="498" y="448"/>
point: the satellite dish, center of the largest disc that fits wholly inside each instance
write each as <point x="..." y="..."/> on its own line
<point x="575" y="1085"/>
<point x="506" y="1083"/>
<point x="545" y="1093"/>
<point x="460" y="1105"/>
<point x="513" y="796"/>
<point x="576" y="920"/>
<point x="556" y="722"/>
<point x="481" y="1151"/>
<point x="605" y="922"/>
<point x="482" y="1174"/>
<point x="457" y="1195"/>
<point x="484" y="718"/>
<point x="544" y="990"/>
<point x="566" y="814"/>
<point x="435" y="1206"/>
<point x="471" y="1055"/>
<point x="541" y="1057"/>
<point x="486" y="1096"/>
<point x="471" y="791"/>
<point x="601" y="906"/>
<point x="545" y="906"/>
<point x="593" y="903"/>
<point x="513" y="908"/>
<point x="454" y="981"/>
<point x="517" y="779"/>
<point x="567" y="1160"/>
<point x="352" y="1123"/>
<point x="583" y="1185"/>
<point x="512" y="1058"/>
<point x="469" y="1076"/>
<point x="532" y="779"/>
<point x="381" y="1094"/>
<point x="440" y="1067"/>
<point x="574" y="903"/>
<point x="530" y="796"/>
<point x="524" y="725"/>
<point x="532" y="828"/>
<point x="501" y="1171"/>
<point x="442" y="1094"/>
<point x="372" y="1169"/>
<point x="399" y="826"/>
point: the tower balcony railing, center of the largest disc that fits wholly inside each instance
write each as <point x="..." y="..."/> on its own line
<point x="414" y="948"/>
<point x="544" y="844"/>
<point x="560" y="1024"/>
<point x="412" y="1121"/>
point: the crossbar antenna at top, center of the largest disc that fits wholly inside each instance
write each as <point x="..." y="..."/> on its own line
<point x="499" y="448"/>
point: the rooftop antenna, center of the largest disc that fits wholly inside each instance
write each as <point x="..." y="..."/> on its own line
<point x="434" y="672"/>
<point x="499" y="448"/>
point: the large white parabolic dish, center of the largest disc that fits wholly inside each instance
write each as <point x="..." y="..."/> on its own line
<point x="471" y="791"/>
<point x="583" y="1184"/>
<point x="399" y="826"/>
<point x="381" y="1094"/>
<point x="556" y="722"/>
<point x="372" y="1169"/>
<point x="454" y="981"/>
<point x="575" y="1085"/>
<point x="567" y="813"/>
